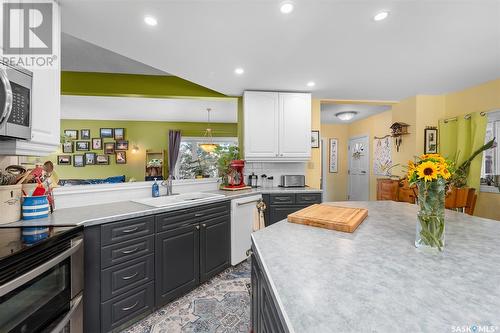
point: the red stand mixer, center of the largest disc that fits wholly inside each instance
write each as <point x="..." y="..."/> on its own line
<point x="236" y="178"/>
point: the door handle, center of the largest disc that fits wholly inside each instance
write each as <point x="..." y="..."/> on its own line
<point x="75" y="304"/>
<point x="130" y="251"/>
<point x="127" y="231"/>
<point x="7" y="109"/>
<point x="363" y="171"/>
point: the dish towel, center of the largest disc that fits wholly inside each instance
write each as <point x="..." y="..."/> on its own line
<point x="258" y="217"/>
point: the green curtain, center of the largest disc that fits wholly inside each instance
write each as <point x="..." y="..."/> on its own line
<point x="458" y="139"/>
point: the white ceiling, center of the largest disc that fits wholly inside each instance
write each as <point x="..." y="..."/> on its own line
<point x="329" y="110"/>
<point x="81" y="56"/>
<point x="426" y="47"/>
<point x="158" y="109"/>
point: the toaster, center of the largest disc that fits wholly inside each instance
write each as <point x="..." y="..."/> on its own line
<point x="293" y="181"/>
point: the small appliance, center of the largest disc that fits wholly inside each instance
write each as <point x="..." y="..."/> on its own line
<point x="293" y="181"/>
<point x="15" y="102"/>
<point x="253" y="179"/>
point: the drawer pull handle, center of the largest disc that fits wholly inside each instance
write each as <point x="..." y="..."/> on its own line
<point x="281" y="199"/>
<point x="204" y="225"/>
<point x="197" y="227"/>
<point x="130" y="277"/>
<point x="130" y="251"/>
<point x="199" y="214"/>
<point x="130" y="307"/>
<point x="127" y="231"/>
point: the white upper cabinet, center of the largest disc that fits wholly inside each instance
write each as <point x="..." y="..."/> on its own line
<point x="277" y="126"/>
<point x="45" y="104"/>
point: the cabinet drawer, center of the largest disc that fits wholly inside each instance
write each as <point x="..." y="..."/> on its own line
<point x="307" y="198"/>
<point x="120" y="310"/>
<point x="278" y="213"/>
<point x="171" y="220"/>
<point x="125" y="251"/>
<point x="282" y="199"/>
<point x="130" y="229"/>
<point x="121" y="278"/>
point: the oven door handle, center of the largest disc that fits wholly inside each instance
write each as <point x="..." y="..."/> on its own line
<point x="75" y="303"/>
<point x="7" y="108"/>
<point x="19" y="281"/>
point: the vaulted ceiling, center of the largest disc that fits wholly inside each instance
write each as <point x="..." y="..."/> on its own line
<point x="423" y="47"/>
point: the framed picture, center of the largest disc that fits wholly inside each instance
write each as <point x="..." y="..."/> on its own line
<point x="96" y="144"/>
<point x="106" y="132"/>
<point x="90" y="158"/>
<point x="119" y="134"/>
<point x="102" y="160"/>
<point x="71" y="134"/>
<point x="314" y="139"/>
<point x="109" y="148"/>
<point x="78" y="161"/>
<point x="431" y="140"/>
<point x="64" y="159"/>
<point x="82" y="146"/>
<point x="67" y="147"/>
<point x="85" y="134"/>
<point x="333" y="161"/>
<point x="121" y="145"/>
<point x="121" y="157"/>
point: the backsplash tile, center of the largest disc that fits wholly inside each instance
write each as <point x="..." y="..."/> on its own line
<point x="274" y="169"/>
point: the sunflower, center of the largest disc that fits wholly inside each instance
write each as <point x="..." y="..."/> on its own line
<point x="445" y="173"/>
<point x="411" y="168"/>
<point x="428" y="171"/>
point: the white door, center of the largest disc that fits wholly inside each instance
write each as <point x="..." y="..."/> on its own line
<point x="261" y="124"/>
<point x="359" y="169"/>
<point x="294" y="125"/>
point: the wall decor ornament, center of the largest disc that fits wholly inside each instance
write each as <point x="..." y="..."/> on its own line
<point x="71" y="134"/>
<point x="64" y="159"/>
<point x="430" y="140"/>
<point x="96" y="144"/>
<point x="399" y="129"/>
<point x="106" y="133"/>
<point x="85" y="134"/>
<point x="121" y="157"/>
<point x="90" y="158"/>
<point x="314" y="139"/>
<point x="333" y="160"/>
<point x="102" y="160"/>
<point x="109" y="148"/>
<point x="78" y="161"/>
<point x="382" y="156"/>
<point x="82" y="146"/>
<point x="121" y="145"/>
<point x="67" y="147"/>
<point x="119" y="133"/>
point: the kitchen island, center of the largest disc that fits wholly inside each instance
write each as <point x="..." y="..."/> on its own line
<point x="307" y="279"/>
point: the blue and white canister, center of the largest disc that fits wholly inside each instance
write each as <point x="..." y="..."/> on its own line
<point x="35" y="207"/>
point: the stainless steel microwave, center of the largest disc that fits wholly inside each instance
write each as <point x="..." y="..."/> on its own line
<point x="15" y="102"/>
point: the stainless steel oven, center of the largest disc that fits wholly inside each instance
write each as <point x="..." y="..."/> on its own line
<point x="41" y="290"/>
<point x="15" y="102"/>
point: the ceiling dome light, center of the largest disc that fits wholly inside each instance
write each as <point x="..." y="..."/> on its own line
<point x="286" y="7"/>
<point x="311" y="84"/>
<point x="150" y="20"/>
<point x="239" y="71"/>
<point x="381" y="16"/>
<point x="346" y="116"/>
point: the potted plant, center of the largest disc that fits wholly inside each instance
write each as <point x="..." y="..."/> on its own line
<point x="198" y="168"/>
<point x="458" y="193"/>
<point x="226" y="156"/>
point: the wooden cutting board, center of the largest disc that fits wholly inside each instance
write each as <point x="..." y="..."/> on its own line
<point x="330" y="217"/>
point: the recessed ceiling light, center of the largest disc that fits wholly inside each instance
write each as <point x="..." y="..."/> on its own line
<point x="239" y="71"/>
<point x="150" y="20"/>
<point x="381" y="15"/>
<point x="311" y="84"/>
<point x="346" y="116"/>
<point x="286" y="7"/>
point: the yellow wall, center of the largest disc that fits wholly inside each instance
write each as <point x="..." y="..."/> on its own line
<point x="336" y="183"/>
<point x="313" y="172"/>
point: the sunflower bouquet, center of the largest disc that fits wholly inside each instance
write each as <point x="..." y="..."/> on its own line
<point x="430" y="172"/>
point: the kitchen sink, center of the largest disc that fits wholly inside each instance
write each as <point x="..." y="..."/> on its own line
<point x="179" y="199"/>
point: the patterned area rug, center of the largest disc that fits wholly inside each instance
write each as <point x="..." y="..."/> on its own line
<point x="219" y="305"/>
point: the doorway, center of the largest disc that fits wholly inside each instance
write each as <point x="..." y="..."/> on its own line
<point x="324" y="169"/>
<point x="358" y="151"/>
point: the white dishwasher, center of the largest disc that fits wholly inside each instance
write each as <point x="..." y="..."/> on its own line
<point x="243" y="211"/>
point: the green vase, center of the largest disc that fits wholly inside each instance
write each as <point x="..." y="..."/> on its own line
<point x="430" y="218"/>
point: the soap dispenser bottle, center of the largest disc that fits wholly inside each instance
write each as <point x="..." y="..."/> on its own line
<point x="156" y="190"/>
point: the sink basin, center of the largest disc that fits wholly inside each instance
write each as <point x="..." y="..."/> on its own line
<point x="179" y="199"/>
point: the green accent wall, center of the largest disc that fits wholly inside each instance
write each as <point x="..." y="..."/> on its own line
<point x="152" y="135"/>
<point x="132" y="85"/>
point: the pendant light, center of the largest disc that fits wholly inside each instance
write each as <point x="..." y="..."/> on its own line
<point x="209" y="146"/>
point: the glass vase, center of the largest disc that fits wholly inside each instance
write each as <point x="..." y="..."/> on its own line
<point x="430" y="218"/>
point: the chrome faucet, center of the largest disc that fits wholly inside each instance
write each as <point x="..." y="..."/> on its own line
<point x="168" y="184"/>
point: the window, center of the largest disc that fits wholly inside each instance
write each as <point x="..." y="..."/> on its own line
<point x="491" y="157"/>
<point x="194" y="162"/>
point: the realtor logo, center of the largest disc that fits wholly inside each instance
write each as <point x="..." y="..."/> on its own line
<point x="27" y="28"/>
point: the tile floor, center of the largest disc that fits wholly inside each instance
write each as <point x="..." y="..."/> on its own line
<point x="219" y="305"/>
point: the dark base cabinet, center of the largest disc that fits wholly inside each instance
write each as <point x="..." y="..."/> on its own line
<point x="265" y="316"/>
<point x="135" y="266"/>
<point x="280" y="205"/>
